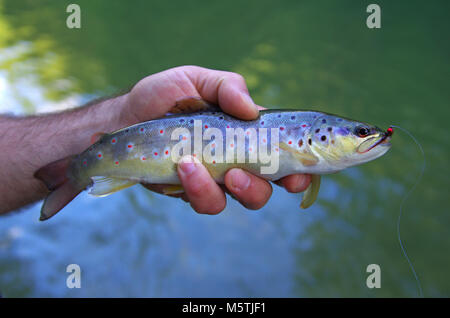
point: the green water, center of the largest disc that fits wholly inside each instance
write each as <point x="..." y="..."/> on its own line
<point x="300" y="54"/>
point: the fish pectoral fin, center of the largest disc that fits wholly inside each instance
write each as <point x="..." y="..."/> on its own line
<point x="103" y="186"/>
<point x="310" y="195"/>
<point x="192" y="105"/>
<point x="173" y="189"/>
<point x="306" y="158"/>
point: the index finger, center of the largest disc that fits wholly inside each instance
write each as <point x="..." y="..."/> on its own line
<point x="153" y="96"/>
<point x="226" y="89"/>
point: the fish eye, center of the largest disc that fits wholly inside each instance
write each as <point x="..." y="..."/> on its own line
<point x="362" y="131"/>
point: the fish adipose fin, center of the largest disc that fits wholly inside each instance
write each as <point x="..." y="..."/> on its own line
<point x="97" y="136"/>
<point x="103" y="186"/>
<point x="192" y="105"/>
<point x="62" y="190"/>
<point x="310" y="195"/>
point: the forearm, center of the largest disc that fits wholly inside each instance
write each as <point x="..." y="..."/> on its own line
<point x="29" y="143"/>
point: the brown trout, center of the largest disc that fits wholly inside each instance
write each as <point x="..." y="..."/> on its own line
<point x="276" y="144"/>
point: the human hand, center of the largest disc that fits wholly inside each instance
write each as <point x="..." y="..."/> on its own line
<point x="155" y="95"/>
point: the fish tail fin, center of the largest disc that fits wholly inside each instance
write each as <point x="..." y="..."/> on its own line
<point x="58" y="199"/>
<point x="54" y="175"/>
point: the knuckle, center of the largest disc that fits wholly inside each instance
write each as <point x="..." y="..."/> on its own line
<point x="236" y="76"/>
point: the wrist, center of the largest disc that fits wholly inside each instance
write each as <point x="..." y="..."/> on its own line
<point x="111" y="114"/>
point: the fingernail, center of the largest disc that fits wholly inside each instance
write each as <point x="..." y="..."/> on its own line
<point x="240" y="180"/>
<point x="187" y="165"/>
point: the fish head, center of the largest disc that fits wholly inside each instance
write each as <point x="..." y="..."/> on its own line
<point x="344" y="142"/>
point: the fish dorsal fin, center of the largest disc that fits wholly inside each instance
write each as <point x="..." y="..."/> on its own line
<point x="103" y="186"/>
<point x="310" y="195"/>
<point x="306" y="158"/>
<point x="192" y="105"/>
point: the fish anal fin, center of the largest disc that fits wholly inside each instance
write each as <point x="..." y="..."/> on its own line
<point x="103" y="186"/>
<point x="192" y="105"/>
<point x="310" y="195"/>
<point x="307" y="159"/>
<point x="173" y="189"/>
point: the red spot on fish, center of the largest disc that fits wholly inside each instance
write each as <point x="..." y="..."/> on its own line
<point x="84" y="162"/>
<point x="248" y="133"/>
<point x="143" y="158"/>
<point x="155" y="154"/>
<point x="130" y="146"/>
<point x="250" y="149"/>
<point x="113" y="140"/>
<point x="290" y="142"/>
<point x="304" y="125"/>
<point x="167" y="152"/>
<point x="264" y="140"/>
<point x="195" y="155"/>
<point x="213" y="145"/>
<point x="142" y="129"/>
<point x="389" y="131"/>
<point x="161" y="131"/>
<point x="231" y="145"/>
<point x="281" y="128"/>
<point x="184" y="138"/>
<point x="116" y="162"/>
<point x="300" y="142"/>
<point x="99" y="155"/>
<point x="228" y="126"/>
<point x="206" y="126"/>
<point x="214" y="162"/>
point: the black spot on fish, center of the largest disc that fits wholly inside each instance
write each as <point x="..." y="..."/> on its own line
<point x="317" y="130"/>
<point x="309" y="141"/>
<point x="300" y="142"/>
<point x="279" y="116"/>
<point x="182" y="120"/>
<point x="330" y="129"/>
<point x="323" y="138"/>
<point x="221" y="117"/>
<point x="191" y="121"/>
<point x="324" y="121"/>
<point x="292" y="117"/>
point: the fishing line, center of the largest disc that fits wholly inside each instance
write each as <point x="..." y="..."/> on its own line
<point x="401" y="209"/>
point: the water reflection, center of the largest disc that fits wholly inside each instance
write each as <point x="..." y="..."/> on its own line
<point x="135" y="243"/>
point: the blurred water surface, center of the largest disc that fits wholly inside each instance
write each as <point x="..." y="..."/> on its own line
<point x="294" y="54"/>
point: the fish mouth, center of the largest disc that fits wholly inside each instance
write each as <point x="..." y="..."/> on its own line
<point x="382" y="139"/>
